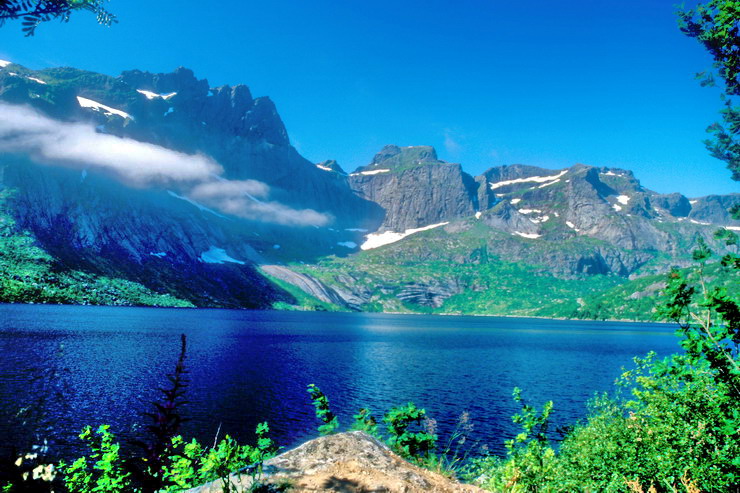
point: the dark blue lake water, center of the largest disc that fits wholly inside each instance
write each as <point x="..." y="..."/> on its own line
<point x="246" y="367"/>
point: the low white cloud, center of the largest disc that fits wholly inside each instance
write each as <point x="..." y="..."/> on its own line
<point x="139" y="164"/>
<point x="78" y="145"/>
<point x="242" y="199"/>
<point x="452" y="143"/>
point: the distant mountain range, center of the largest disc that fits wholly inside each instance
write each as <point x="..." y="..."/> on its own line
<point x="196" y="193"/>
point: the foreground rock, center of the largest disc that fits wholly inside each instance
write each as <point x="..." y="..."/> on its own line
<point x="346" y="462"/>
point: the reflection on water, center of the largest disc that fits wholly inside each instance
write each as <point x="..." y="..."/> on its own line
<point x="245" y="367"/>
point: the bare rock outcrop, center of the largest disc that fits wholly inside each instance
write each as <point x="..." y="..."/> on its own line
<point x="346" y="462"/>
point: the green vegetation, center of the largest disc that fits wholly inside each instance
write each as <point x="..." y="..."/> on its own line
<point x="186" y="465"/>
<point x="323" y="412"/>
<point x="34" y="12"/>
<point x="715" y="25"/>
<point x="30" y="275"/>
<point x="303" y="300"/>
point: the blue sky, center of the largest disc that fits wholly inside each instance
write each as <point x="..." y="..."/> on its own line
<point x="485" y="82"/>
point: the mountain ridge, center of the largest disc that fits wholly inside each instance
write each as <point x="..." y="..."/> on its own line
<point x="251" y="200"/>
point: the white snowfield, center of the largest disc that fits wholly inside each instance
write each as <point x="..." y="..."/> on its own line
<point x="325" y="168"/>
<point x="371" y="172"/>
<point x="535" y="179"/>
<point x="549" y="183"/>
<point x="541" y="219"/>
<point x="529" y="211"/>
<point x="531" y="236"/>
<point x="39" y="81"/>
<point x="4" y="63"/>
<point x="216" y="255"/>
<point x="376" y="240"/>
<point x="617" y="207"/>
<point x="107" y="110"/>
<point x="154" y="95"/>
<point x="623" y="199"/>
<point x="515" y="201"/>
<point x="478" y="214"/>
<point x="734" y="228"/>
<point x="699" y="222"/>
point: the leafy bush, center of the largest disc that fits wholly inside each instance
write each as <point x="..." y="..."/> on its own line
<point x="411" y="432"/>
<point x="672" y="425"/>
<point x="323" y="412"/>
<point x="103" y="470"/>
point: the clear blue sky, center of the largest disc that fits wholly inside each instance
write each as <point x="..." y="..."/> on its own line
<point x="485" y="82"/>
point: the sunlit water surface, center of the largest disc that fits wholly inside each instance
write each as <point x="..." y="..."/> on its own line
<point x="245" y="367"/>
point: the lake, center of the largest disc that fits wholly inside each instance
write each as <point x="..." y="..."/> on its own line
<point x="77" y="365"/>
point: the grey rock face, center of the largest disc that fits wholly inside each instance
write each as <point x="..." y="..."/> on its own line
<point x="352" y="461"/>
<point x="431" y="294"/>
<point x="417" y="190"/>
<point x="674" y="204"/>
<point x="714" y="209"/>
<point x="308" y="284"/>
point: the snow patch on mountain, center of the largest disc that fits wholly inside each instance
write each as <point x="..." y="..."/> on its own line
<point x="536" y="179"/>
<point x="531" y="236"/>
<point x="549" y="183"/>
<point x="623" y="199"/>
<point x="371" y="172"/>
<point x="4" y="63"/>
<point x="193" y="202"/>
<point x="215" y="255"/>
<point x="154" y="95"/>
<point x="107" y="110"/>
<point x="376" y="240"/>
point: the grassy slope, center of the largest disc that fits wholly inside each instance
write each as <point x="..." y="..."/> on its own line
<point x="492" y="286"/>
<point x="29" y="275"/>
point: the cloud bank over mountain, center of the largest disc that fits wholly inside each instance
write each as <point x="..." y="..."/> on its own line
<point x="140" y="164"/>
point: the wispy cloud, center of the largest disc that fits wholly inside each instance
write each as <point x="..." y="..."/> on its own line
<point x="242" y="199"/>
<point x="139" y="164"/>
<point x="452" y="143"/>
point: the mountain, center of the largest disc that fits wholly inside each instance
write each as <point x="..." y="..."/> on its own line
<point x="194" y="193"/>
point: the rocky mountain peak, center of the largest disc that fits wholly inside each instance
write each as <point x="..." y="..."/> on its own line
<point x="397" y="158"/>
<point x="181" y="81"/>
<point x="331" y="165"/>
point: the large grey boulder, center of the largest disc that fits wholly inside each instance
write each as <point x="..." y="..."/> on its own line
<point x="347" y="462"/>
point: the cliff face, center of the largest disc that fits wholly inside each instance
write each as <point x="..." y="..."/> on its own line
<point x="414" y="188"/>
<point x="184" y="187"/>
<point x="103" y="217"/>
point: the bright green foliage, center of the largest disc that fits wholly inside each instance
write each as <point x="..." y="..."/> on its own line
<point x="191" y="464"/>
<point x="411" y="432"/>
<point x="715" y="24"/>
<point x="675" y="427"/>
<point x="103" y="470"/>
<point x="323" y="412"/>
<point x="531" y="462"/>
<point x="34" y="12"/>
<point x="364" y="421"/>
